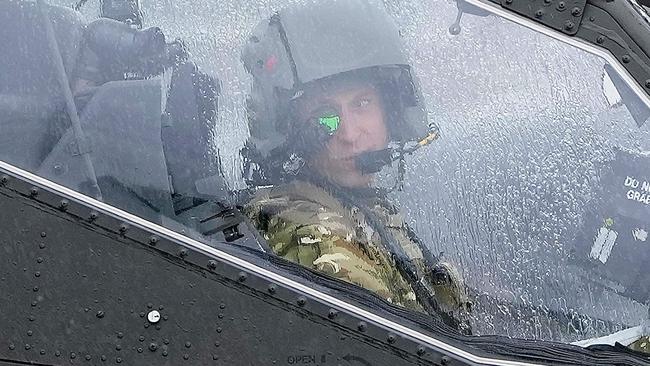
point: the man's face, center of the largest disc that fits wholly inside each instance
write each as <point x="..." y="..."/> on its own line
<point x="361" y="128"/>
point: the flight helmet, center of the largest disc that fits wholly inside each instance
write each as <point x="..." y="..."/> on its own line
<point x="320" y="42"/>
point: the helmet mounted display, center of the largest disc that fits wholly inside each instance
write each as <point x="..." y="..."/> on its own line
<point x="312" y="44"/>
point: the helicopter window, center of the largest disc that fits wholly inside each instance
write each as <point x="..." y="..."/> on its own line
<point x="535" y="175"/>
<point x="532" y="188"/>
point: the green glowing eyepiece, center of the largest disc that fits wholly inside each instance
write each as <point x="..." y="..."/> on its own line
<point x="331" y="122"/>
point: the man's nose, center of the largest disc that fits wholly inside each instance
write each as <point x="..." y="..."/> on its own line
<point x="350" y="130"/>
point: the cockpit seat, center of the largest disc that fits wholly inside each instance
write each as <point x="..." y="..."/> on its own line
<point x="31" y="104"/>
<point x="187" y="134"/>
<point x="156" y="168"/>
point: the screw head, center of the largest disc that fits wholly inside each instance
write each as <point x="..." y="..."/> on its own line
<point x="576" y="12"/>
<point x="647" y="83"/>
<point x="183" y="253"/>
<point x="153" y="347"/>
<point x="561" y="5"/>
<point x="362" y="326"/>
<point x="212" y="264"/>
<point x="569" y="25"/>
<point x="302" y="301"/>
<point x="63" y="205"/>
<point x="392" y="338"/>
<point x="600" y="39"/>
<point x="4" y="179"/>
<point x="153" y="316"/>
<point x="626" y="59"/>
<point x="242" y="276"/>
<point x="93" y="216"/>
<point x="539" y="13"/>
<point x="421" y="351"/>
<point x="153" y="240"/>
<point x="444" y="360"/>
<point x="33" y="191"/>
<point x="332" y="314"/>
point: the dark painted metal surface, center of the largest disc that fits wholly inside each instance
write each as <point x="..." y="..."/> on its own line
<point x="81" y="286"/>
<point x="620" y="33"/>
<point x="561" y="15"/>
<point x="75" y="292"/>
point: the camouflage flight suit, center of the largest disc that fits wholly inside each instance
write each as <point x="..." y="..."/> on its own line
<point x="642" y="344"/>
<point x="307" y="225"/>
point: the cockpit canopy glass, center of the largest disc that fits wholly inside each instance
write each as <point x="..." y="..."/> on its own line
<point x="483" y="154"/>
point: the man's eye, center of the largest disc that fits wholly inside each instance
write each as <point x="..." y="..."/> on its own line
<point x="363" y="102"/>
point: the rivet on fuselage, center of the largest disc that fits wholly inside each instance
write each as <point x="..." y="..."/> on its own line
<point x="242" y="276"/>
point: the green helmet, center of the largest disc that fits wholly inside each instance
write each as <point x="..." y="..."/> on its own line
<point x="311" y="43"/>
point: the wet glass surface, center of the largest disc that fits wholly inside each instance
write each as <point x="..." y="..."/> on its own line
<point x="533" y="165"/>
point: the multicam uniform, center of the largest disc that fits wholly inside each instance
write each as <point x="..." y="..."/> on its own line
<point x="307" y="225"/>
<point x="642" y="344"/>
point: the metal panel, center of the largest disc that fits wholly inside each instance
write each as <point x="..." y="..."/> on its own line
<point x="77" y="293"/>
<point x="561" y="15"/>
<point x="81" y="280"/>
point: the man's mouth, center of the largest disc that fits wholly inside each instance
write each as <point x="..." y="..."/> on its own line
<point x="347" y="163"/>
